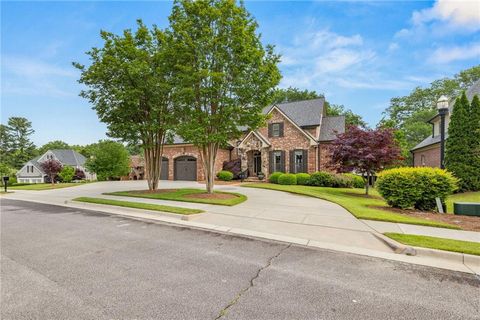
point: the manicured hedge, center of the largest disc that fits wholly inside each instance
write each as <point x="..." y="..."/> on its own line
<point x="302" y="178"/>
<point x="225" y="175"/>
<point x="321" y="179"/>
<point x="415" y="187"/>
<point x="274" y="177"/>
<point x="341" y="181"/>
<point x="357" y="181"/>
<point x="287" y="179"/>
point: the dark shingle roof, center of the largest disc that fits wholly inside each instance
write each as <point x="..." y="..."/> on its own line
<point x="428" y="141"/>
<point x="473" y="90"/>
<point x="304" y="113"/>
<point x="331" y="126"/>
<point x="69" y="157"/>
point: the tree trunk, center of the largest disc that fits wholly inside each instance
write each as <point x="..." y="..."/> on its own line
<point x="153" y="150"/>
<point x="52" y="179"/>
<point x="209" y="155"/>
<point x="367" y="184"/>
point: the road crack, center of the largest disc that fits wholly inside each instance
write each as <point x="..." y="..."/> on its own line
<point x="224" y="311"/>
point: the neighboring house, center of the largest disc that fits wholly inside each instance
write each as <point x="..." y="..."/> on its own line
<point x="32" y="171"/>
<point x="296" y="139"/>
<point x="137" y="168"/>
<point x="427" y="152"/>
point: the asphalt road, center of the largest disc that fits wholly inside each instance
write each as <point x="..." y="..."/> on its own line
<point x="61" y="263"/>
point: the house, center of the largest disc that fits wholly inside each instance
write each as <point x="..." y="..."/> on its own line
<point x="137" y="168"/>
<point x="427" y="152"/>
<point x="295" y="139"/>
<point x="32" y="171"/>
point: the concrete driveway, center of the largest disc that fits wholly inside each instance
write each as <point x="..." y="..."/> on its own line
<point x="266" y="211"/>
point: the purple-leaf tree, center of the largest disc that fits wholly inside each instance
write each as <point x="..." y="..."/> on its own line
<point x="51" y="168"/>
<point x="365" y="151"/>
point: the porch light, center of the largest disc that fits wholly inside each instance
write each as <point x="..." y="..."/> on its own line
<point x="442" y="103"/>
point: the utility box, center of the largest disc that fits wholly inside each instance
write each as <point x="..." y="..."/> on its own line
<point x="467" y="208"/>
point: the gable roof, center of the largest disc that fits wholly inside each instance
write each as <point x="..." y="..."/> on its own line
<point x="69" y="157"/>
<point x="331" y="126"/>
<point x="304" y="113"/>
<point x="257" y="134"/>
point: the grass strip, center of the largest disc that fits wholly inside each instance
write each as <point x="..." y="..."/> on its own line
<point x="355" y="202"/>
<point x="139" y="205"/>
<point x="44" y="186"/>
<point x="468" y="247"/>
<point x="183" y="195"/>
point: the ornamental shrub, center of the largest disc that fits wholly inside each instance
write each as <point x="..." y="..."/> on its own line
<point x="321" y="179"/>
<point x="341" y="181"/>
<point x="234" y="166"/>
<point x="67" y="173"/>
<point x="357" y="181"/>
<point x="225" y="175"/>
<point x="302" y="178"/>
<point x="274" y="177"/>
<point x="287" y="179"/>
<point x="415" y="187"/>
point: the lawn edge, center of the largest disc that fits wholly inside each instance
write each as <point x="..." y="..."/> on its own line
<point x="440" y="225"/>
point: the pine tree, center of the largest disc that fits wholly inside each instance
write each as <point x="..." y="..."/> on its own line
<point x="475" y="141"/>
<point x="459" y="156"/>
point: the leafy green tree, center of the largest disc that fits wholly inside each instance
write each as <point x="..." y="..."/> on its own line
<point x="7" y="171"/>
<point x="224" y="76"/>
<point x="134" y="149"/>
<point x="110" y="160"/>
<point x="56" y="144"/>
<point x="128" y="83"/>
<point x="461" y="158"/>
<point x="5" y="144"/>
<point x="21" y="148"/>
<point x="294" y="94"/>
<point x="67" y="173"/>
<point x="351" y="118"/>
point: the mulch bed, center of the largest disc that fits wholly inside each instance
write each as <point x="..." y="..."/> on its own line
<point x="469" y="223"/>
<point x="221" y="182"/>
<point x="154" y="191"/>
<point x="217" y="196"/>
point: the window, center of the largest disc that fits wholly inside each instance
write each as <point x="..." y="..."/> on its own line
<point x="277" y="161"/>
<point x="276" y="130"/>
<point x="298" y="159"/>
<point x="422" y="160"/>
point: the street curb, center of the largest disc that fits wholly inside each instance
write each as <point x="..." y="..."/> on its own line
<point x="472" y="262"/>
<point x="185" y="217"/>
<point x="397" y="247"/>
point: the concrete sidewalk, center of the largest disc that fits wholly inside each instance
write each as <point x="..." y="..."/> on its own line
<point x="462" y="235"/>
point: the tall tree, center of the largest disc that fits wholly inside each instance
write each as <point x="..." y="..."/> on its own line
<point x="51" y="168"/>
<point x="461" y="156"/>
<point x="22" y="148"/>
<point x="5" y="145"/>
<point x="294" y="94"/>
<point x="365" y="151"/>
<point x="224" y="76"/>
<point x="56" y="144"/>
<point x="110" y="160"/>
<point x="129" y="86"/>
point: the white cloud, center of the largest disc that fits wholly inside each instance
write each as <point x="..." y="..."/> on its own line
<point x="460" y="13"/>
<point x="33" y="68"/>
<point x="393" y="47"/>
<point x="449" y="54"/>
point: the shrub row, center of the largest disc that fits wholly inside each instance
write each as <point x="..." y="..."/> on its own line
<point x="318" y="179"/>
<point x="225" y="175"/>
<point x="415" y="187"/>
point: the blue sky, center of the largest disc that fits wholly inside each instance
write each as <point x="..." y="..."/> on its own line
<point x="359" y="54"/>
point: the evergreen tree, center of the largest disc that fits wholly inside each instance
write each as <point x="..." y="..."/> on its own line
<point x="475" y="140"/>
<point x="459" y="156"/>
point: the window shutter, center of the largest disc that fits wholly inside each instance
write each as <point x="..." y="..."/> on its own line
<point x="269" y="130"/>
<point x="282" y="161"/>
<point x="305" y="160"/>
<point x="292" y="161"/>
<point x="270" y="162"/>
<point x="281" y="129"/>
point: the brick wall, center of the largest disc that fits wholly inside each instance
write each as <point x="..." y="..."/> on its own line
<point x="428" y="157"/>
<point x="174" y="151"/>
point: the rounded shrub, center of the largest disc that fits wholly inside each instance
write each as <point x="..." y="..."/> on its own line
<point x="321" y="179"/>
<point x="302" y="178"/>
<point x="357" y="181"/>
<point x="225" y="175"/>
<point x="341" y="181"/>
<point x="287" y="179"/>
<point x="415" y="187"/>
<point x="274" y="177"/>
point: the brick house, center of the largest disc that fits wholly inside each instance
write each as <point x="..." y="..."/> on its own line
<point x="295" y="139"/>
<point x="427" y="152"/>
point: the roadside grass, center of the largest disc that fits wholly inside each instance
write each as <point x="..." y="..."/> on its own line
<point x="44" y="186"/>
<point x="355" y="201"/>
<point x="139" y="205"/>
<point x="186" y="195"/>
<point x="468" y="247"/>
<point x="462" y="197"/>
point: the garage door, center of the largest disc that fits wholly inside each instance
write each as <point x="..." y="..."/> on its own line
<point x="164" y="173"/>
<point x="185" y="168"/>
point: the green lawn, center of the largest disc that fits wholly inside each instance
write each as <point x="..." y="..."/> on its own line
<point x="139" y="205"/>
<point x="354" y="201"/>
<point x="44" y="186"/>
<point x="462" y="197"/>
<point x="185" y="195"/>
<point x="437" y="243"/>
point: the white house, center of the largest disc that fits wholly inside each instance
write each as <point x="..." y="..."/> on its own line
<point x="32" y="171"/>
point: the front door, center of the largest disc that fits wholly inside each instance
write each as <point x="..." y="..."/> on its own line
<point x="257" y="163"/>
